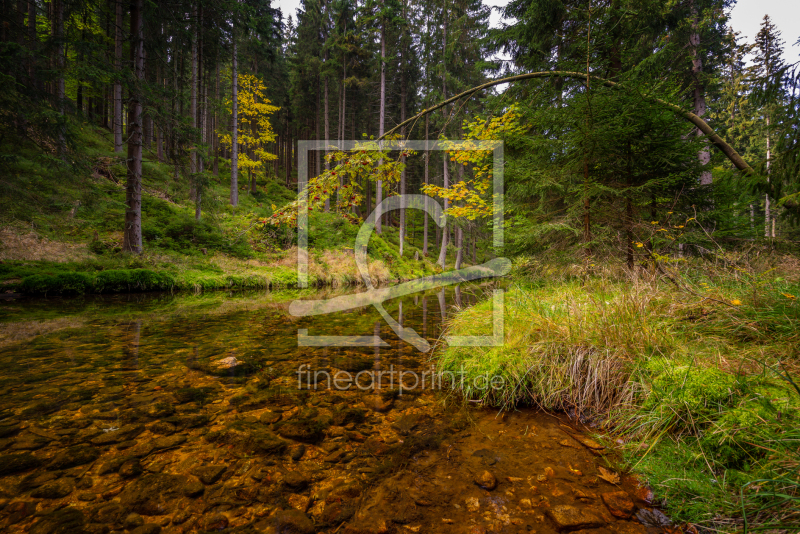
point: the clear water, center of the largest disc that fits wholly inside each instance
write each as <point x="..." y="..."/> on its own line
<point x="188" y="413"/>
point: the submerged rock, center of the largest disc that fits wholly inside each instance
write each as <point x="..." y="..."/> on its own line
<point x="297" y="452"/>
<point x="296" y="480"/>
<point x="150" y="494"/>
<point x="486" y="480"/>
<point x="15" y="463"/>
<point x="67" y="520"/>
<point x="34" y="480"/>
<point x="308" y="431"/>
<point x="208" y="474"/>
<point x="215" y="522"/>
<point x="55" y="489"/>
<point x="74" y="456"/>
<point x="269" y="418"/>
<point x="124" y="433"/>
<point x="573" y="518"/>
<point x="619" y="504"/>
<point x="293" y="522"/>
<point x="130" y="468"/>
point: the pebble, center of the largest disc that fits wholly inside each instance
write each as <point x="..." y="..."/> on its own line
<point x="486" y="480"/>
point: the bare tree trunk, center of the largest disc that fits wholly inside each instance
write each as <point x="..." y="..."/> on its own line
<point x="215" y="139"/>
<point x="235" y="131"/>
<point x="33" y="41"/>
<point x="118" y="80"/>
<point x="61" y="96"/>
<point x="767" y="207"/>
<point x="460" y="231"/>
<point x="403" y="90"/>
<point x="425" y="178"/>
<point x="446" y="177"/>
<point x="327" y="117"/>
<point x="132" y="236"/>
<point x="193" y="97"/>
<point x="698" y="92"/>
<point x="381" y="119"/>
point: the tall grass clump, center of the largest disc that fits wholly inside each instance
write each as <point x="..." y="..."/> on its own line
<point x="689" y="365"/>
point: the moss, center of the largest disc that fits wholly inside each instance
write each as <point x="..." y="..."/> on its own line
<point x="131" y="281"/>
<point x="60" y="284"/>
<point x="692" y="390"/>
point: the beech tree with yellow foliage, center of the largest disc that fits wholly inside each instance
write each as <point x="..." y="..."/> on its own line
<point x="254" y="128"/>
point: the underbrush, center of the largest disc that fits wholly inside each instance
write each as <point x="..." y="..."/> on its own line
<point x="689" y="367"/>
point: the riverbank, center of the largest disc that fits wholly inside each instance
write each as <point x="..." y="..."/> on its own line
<point x="77" y="270"/>
<point x="691" y="377"/>
<point x="61" y="231"/>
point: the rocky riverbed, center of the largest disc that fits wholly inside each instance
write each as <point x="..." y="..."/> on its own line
<point x="153" y="427"/>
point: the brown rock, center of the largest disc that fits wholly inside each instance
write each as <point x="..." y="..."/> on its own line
<point x="215" y="522"/>
<point x="619" y="504"/>
<point x="572" y="518"/>
<point x="486" y="480"/>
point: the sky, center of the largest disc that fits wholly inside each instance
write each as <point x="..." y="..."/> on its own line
<point x="746" y="18"/>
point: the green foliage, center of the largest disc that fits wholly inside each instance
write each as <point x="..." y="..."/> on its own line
<point x="60" y="284"/>
<point x="132" y="281"/>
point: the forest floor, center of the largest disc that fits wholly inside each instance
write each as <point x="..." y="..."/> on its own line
<point x="61" y="230"/>
<point x="692" y="378"/>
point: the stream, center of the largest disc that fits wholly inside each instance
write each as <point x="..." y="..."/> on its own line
<point x="163" y="413"/>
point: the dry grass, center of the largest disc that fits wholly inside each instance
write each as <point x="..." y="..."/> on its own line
<point x="18" y="244"/>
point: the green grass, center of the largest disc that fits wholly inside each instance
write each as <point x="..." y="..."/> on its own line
<point x="62" y="229"/>
<point x="694" y="376"/>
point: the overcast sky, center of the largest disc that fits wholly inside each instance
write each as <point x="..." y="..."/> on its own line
<point x="745" y="18"/>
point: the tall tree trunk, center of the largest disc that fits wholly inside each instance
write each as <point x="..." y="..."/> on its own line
<point x="327" y="117"/>
<point x="446" y="177"/>
<point x="767" y="207"/>
<point x="235" y="131"/>
<point x="118" y="80"/>
<point x="33" y="42"/>
<point x="698" y="92"/>
<point x="215" y="138"/>
<point x="193" y="100"/>
<point x="425" y="180"/>
<point x="403" y="90"/>
<point x="132" y="237"/>
<point x="459" y="230"/>
<point x="61" y="96"/>
<point x="382" y="117"/>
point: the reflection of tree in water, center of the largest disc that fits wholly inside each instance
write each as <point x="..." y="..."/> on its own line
<point x="130" y="348"/>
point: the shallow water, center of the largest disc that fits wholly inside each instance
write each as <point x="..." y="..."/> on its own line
<point x="140" y="412"/>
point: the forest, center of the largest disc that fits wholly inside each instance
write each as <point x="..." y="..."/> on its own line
<point x="637" y="161"/>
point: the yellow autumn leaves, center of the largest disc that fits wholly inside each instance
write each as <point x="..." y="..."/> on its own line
<point x="254" y="127"/>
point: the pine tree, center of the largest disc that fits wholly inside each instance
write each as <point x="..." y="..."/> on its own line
<point x="769" y="61"/>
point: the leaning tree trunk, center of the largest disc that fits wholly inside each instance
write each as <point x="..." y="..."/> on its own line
<point x="132" y="236"/>
<point x="235" y="131"/>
